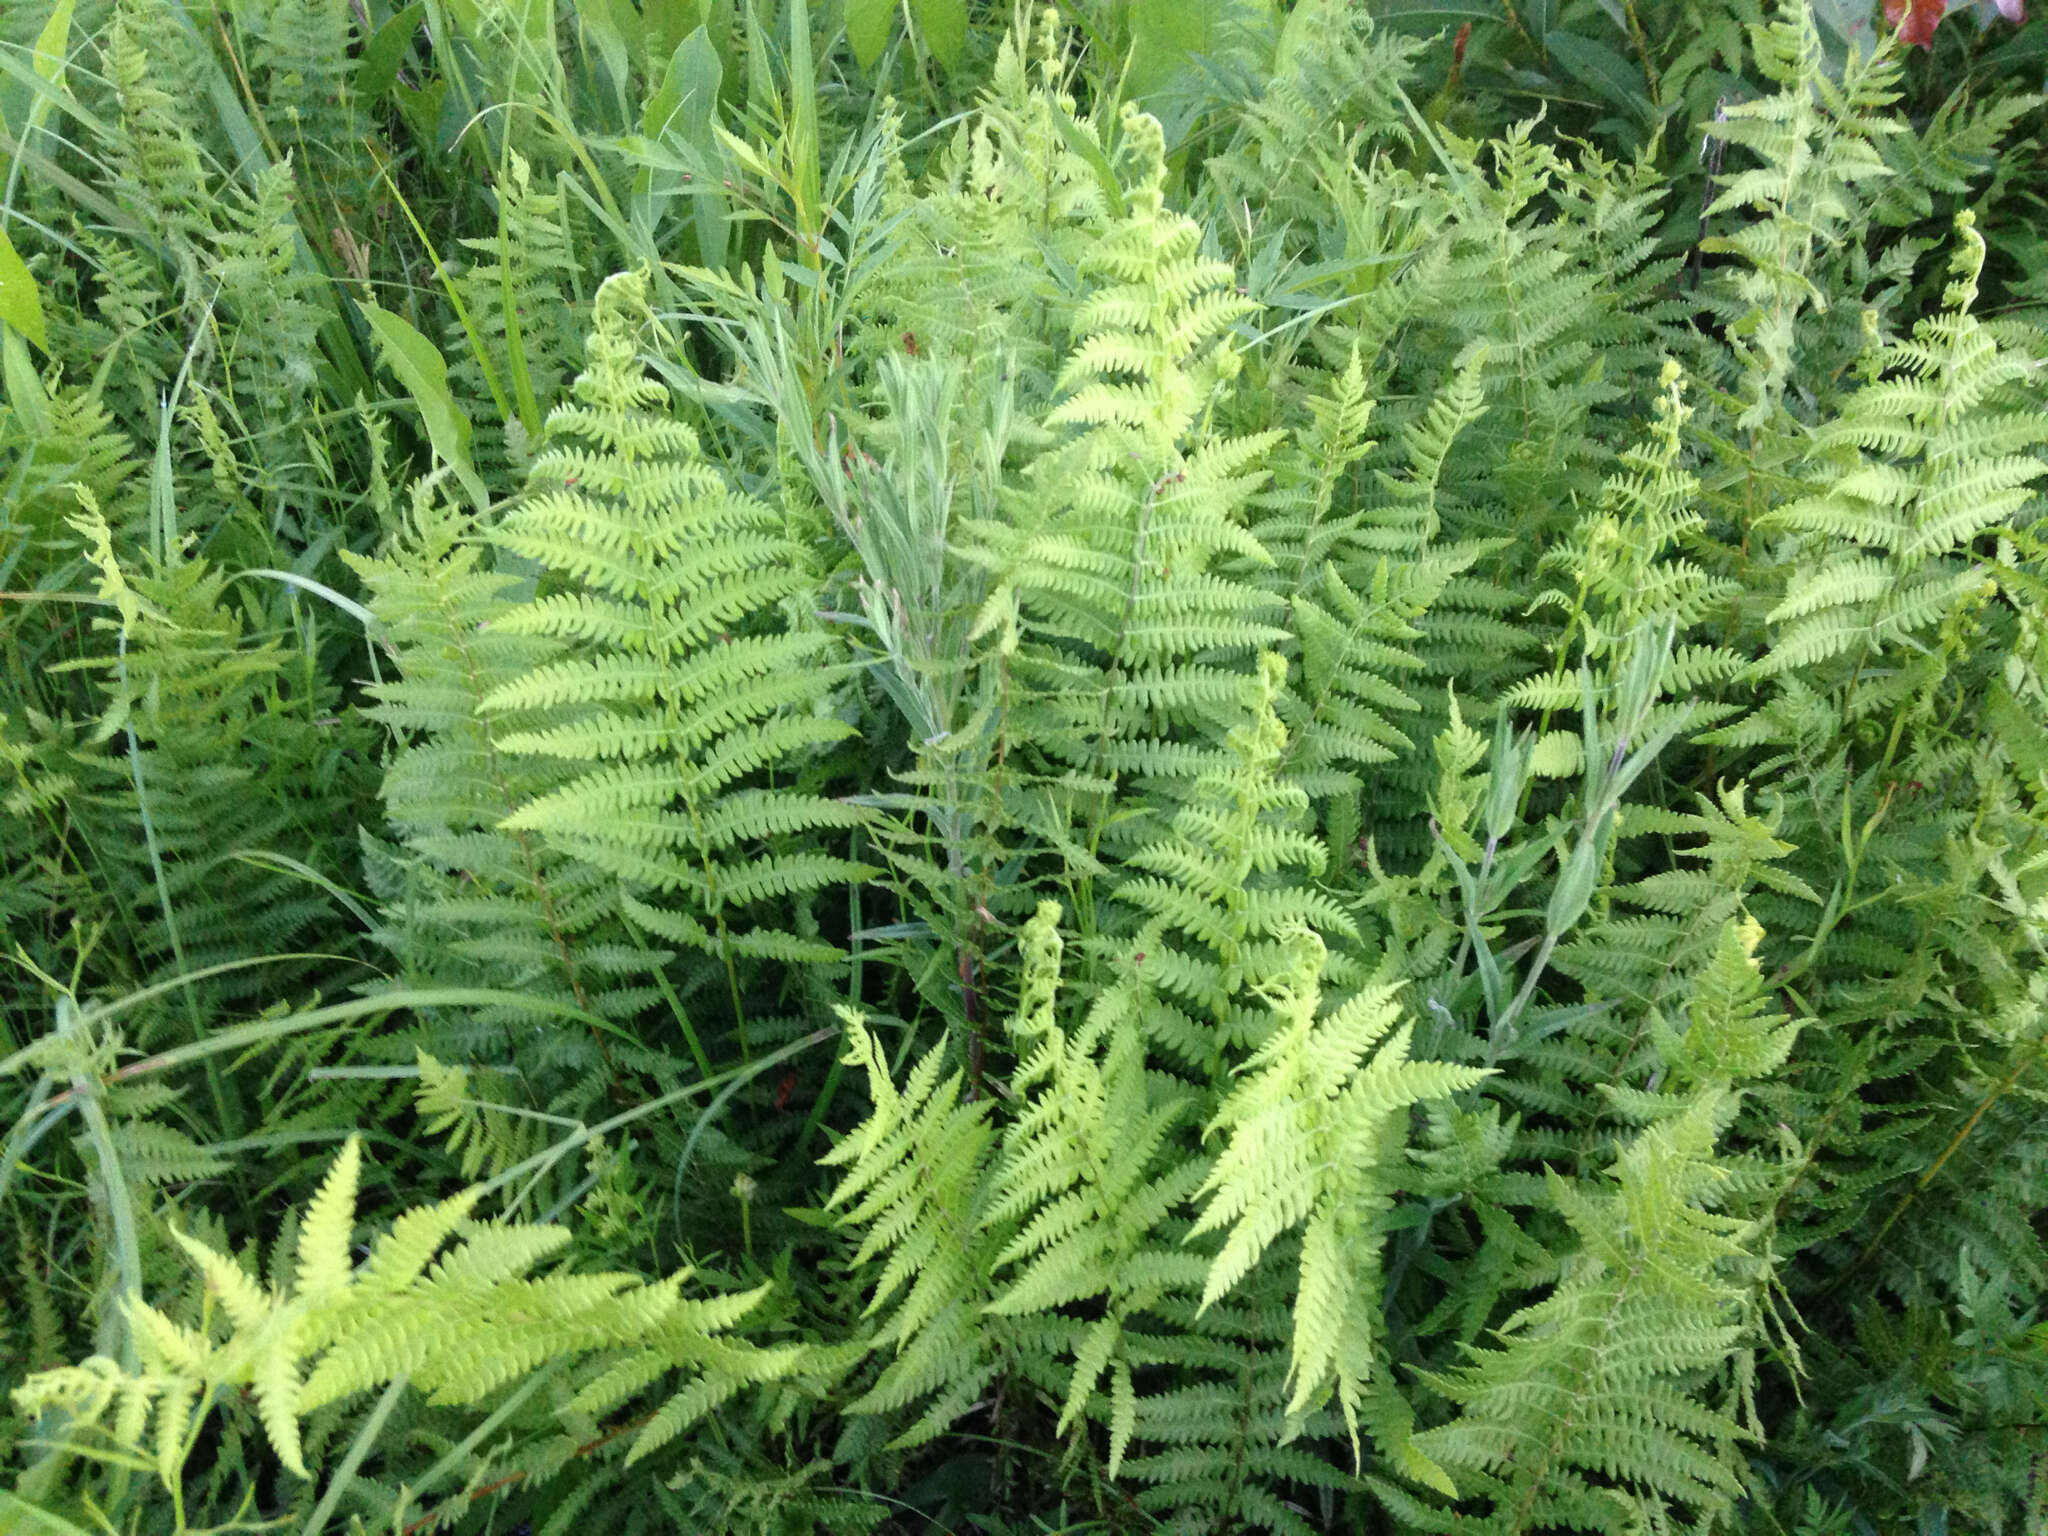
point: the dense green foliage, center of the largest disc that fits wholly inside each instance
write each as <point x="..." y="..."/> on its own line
<point x="1149" y="766"/>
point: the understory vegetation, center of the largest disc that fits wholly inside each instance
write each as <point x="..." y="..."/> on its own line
<point x="872" y="767"/>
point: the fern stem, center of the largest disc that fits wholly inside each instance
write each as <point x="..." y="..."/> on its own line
<point x="528" y="853"/>
<point x="1998" y="1091"/>
<point x="1540" y="1474"/>
<point x="711" y="891"/>
<point x="1841" y="901"/>
<point x="1115" y="651"/>
<point x="732" y="985"/>
<point x="675" y="1005"/>
<point x="515" y="342"/>
<point x="163" y="896"/>
<point x="856" y="982"/>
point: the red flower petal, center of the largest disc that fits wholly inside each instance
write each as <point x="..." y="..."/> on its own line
<point x="1917" y="19"/>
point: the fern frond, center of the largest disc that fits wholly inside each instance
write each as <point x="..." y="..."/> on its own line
<point x="1312" y="1128"/>
<point x="459" y="1331"/>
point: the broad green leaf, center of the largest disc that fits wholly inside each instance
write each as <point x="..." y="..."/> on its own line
<point x="1425" y="16"/>
<point x="867" y="28"/>
<point x="1168" y="35"/>
<point x="1849" y="22"/>
<point x="943" y="26"/>
<point x="20" y="305"/>
<point x="1603" y="71"/>
<point x="377" y="70"/>
<point x="1303" y="25"/>
<point x="34" y="1520"/>
<point x="28" y="93"/>
<point x="666" y="23"/>
<point x="464" y="14"/>
<point x="1164" y="34"/>
<point x="2026" y="49"/>
<point x="686" y="101"/>
<point x="615" y="29"/>
<point x="53" y="44"/>
<point x="423" y="372"/>
<point x="24" y="389"/>
<point x="684" y="111"/>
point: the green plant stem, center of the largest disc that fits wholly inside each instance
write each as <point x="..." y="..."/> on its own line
<point x="359" y="1447"/>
